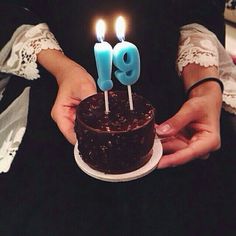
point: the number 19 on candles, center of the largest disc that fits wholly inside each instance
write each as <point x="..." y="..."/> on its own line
<point x="125" y="56"/>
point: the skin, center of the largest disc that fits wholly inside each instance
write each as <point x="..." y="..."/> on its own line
<point x="192" y="133"/>
<point x="195" y="129"/>
<point x="74" y="85"/>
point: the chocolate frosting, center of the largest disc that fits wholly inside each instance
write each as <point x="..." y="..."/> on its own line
<point x="117" y="142"/>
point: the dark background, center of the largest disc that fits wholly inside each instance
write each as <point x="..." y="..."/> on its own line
<point x="45" y="193"/>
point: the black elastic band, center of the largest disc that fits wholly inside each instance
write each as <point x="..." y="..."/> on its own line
<point x="203" y="81"/>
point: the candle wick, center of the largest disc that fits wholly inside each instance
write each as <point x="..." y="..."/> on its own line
<point x="122" y="38"/>
<point x="100" y="39"/>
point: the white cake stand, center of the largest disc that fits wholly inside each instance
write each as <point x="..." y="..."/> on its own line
<point x="144" y="170"/>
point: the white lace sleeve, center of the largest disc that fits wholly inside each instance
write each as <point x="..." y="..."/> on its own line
<point x="12" y="129"/>
<point x="26" y="43"/>
<point x="197" y="47"/>
<point x="200" y="46"/>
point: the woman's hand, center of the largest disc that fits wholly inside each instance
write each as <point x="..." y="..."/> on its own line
<point x="75" y="84"/>
<point x="194" y="132"/>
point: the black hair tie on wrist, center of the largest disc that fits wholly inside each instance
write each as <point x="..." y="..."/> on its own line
<point x="217" y="80"/>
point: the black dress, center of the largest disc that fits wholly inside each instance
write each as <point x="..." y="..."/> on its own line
<point x="45" y="193"/>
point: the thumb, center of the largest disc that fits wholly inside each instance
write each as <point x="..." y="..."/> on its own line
<point x="187" y="114"/>
<point x="87" y="93"/>
<point x="88" y="88"/>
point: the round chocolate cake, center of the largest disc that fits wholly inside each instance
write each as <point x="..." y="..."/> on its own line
<point x="120" y="141"/>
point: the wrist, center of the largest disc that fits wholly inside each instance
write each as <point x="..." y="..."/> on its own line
<point x="58" y="64"/>
<point x="69" y="71"/>
<point x="205" y="86"/>
<point x="210" y="91"/>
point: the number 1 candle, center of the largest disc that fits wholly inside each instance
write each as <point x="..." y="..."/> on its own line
<point x="126" y="58"/>
<point x="103" y="57"/>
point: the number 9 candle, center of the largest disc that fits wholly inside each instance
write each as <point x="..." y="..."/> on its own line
<point x="103" y="57"/>
<point x="126" y="58"/>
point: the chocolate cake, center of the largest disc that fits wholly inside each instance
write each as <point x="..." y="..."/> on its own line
<point x="120" y="141"/>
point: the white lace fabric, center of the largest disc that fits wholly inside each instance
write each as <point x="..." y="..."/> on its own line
<point x="28" y="43"/>
<point x="12" y="129"/>
<point x="200" y="46"/>
<point x="3" y="83"/>
<point x="19" y="57"/>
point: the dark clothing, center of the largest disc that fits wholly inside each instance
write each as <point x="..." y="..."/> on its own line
<point x="45" y="193"/>
<point x="12" y="17"/>
<point x="153" y="26"/>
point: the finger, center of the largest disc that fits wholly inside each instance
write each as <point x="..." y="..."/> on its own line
<point x="173" y="146"/>
<point x="205" y="157"/>
<point x="195" y="149"/>
<point x="87" y="93"/>
<point x="66" y="126"/>
<point x="188" y="113"/>
<point x="87" y="90"/>
<point x="65" y="122"/>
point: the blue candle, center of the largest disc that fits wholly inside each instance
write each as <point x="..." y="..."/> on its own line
<point x="103" y="57"/>
<point x="125" y="57"/>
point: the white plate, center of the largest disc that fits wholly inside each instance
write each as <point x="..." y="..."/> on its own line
<point x="144" y="170"/>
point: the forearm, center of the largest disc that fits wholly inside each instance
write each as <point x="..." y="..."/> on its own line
<point x="209" y="92"/>
<point x="58" y="64"/>
<point x="193" y="73"/>
<point x="198" y="58"/>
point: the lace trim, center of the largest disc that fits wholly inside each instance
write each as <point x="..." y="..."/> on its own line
<point x="3" y="84"/>
<point x="229" y="96"/>
<point x="230" y="4"/>
<point x="13" y="122"/>
<point x="9" y="148"/>
<point x="1" y="94"/>
<point x="229" y="103"/>
<point x="24" y="52"/>
<point x="201" y="46"/>
<point x="190" y="53"/>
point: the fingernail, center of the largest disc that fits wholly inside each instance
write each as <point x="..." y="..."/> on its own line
<point x="163" y="129"/>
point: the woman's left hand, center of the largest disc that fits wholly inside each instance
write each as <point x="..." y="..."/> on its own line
<point x="194" y="131"/>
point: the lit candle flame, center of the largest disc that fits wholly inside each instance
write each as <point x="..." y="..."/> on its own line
<point x="120" y="28"/>
<point x="100" y="30"/>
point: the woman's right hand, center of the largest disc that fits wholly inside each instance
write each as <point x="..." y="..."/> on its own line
<point x="74" y="85"/>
